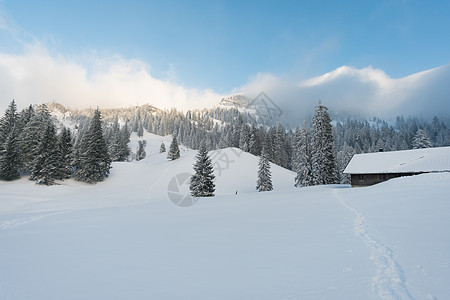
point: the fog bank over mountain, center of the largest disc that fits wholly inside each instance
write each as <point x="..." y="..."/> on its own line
<point x="38" y="76"/>
<point x="365" y="92"/>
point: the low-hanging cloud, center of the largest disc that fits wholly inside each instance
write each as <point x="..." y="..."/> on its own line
<point x="367" y="92"/>
<point x="37" y="76"/>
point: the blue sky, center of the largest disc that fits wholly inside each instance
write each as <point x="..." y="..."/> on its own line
<point x="224" y="45"/>
<point x="219" y="44"/>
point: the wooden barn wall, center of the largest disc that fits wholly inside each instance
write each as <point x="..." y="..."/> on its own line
<point x="371" y="179"/>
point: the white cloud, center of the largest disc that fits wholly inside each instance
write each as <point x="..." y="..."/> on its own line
<point x="36" y="76"/>
<point x="368" y="92"/>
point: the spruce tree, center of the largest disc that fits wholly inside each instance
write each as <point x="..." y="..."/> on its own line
<point x="140" y="129"/>
<point x="32" y="135"/>
<point x="280" y="151"/>
<point x="421" y="140"/>
<point x="124" y="139"/>
<point x="65" y="151"/>
<point x="114" y="139"/>
<point x="162" y="148"/>
<point x="140" y="152"/>
<point x="255" y="143"/>
<point x="302" y="158"/>
<point x="264" y="182"/>
<point x="9" y="158"/>
<point x="174" y="149"/>
<point x="343" y="158"/>
<point x="7" y="123"/>
<point x="44" y="167"/>
<point x="202" y="182"/>
<point x="244" y="138"/>
<point x="323" y="151"/>
<point x="93" y="162"/>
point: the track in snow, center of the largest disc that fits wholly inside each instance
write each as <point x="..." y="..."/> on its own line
<point x="389" y="282"/>
<point x="23" y="221"/>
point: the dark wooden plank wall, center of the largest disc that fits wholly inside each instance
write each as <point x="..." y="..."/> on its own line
<point x="371" y="179"/>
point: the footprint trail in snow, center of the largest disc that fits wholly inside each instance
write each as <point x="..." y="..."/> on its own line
<point x="389" y="282"/>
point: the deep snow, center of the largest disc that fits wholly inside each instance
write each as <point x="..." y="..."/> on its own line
<point x="125" y="239"/>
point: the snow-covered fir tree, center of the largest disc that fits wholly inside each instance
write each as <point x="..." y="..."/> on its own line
<point x="31" y="136"/>
<point x="421" y="140"/>
<point x="174" y="149"/>
<point x="7" y="123"/>
<point x="264" y="182"/>
<point x="9" y="157"/>
<point x="140" y="152"/>
<point x="202" y="182"/>
<point x="65" y="150"/>
<point x="162" y="148"/>
<point x="224" y="140"/>
<point x="281" y="147"/>
<point x="323" y="150"/>
<point x="140" y="129"/>
<point x="269" y="144"/>
<point x="93" y="162"/>
<point x="124" y="138"/>
<point x="244" y="138"/>
<point x="256" y="140"/>
<point x="44" y="167"/>
<point x="343" y="158"/>
<point x="302" y="163"/>
<point x="112" y="136"/>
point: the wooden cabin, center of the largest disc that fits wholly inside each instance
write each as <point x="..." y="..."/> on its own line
<point x="372" y="168"/>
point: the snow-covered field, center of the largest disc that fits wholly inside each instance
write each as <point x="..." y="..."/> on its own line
<point x="126" y="239"/>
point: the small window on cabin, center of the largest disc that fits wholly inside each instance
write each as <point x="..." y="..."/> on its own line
<point x="361" y="177"/>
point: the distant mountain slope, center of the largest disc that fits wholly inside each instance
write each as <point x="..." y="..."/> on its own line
<point x="236" y="100"/>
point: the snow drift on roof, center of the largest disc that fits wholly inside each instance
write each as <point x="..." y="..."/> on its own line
<point x="407" y="161"/>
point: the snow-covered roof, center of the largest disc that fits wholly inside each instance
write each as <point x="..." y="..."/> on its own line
<point x="407" y="161"/>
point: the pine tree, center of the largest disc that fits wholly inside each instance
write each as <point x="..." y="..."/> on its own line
<point x="124" y="139"/>
<point x="255" y="144"/>
<point x="114" y="141"/>
<point x="202" y="182"/>
<point x="140" y="129"/>
<point x="264" y="182"/>
<point x="343" y="158"/>
<point x="302" y="158"/>
<point x="66" y="154"/>
<point x="32" y="135"/>
<point x="9" y="157"/>
<point x="223" y="141"/>
<point x="174" y="149"/>
<point x="280" y="153"/>
<point x="323" y="151"/>
<point x="7" y="123"/>
<point x="421" y="140"/>
<point x="269" y="144"/>
<point x="162" y="148"/>
<point x="244" y="138"/>
<point x="93" y="162"/>
<point x="44" y="168"/>
<point x="140" y="153"/>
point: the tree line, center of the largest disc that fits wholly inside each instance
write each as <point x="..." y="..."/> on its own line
<point x="218" y="128"/>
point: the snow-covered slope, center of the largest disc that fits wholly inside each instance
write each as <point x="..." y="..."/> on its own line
<point x="125" y="239"/>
